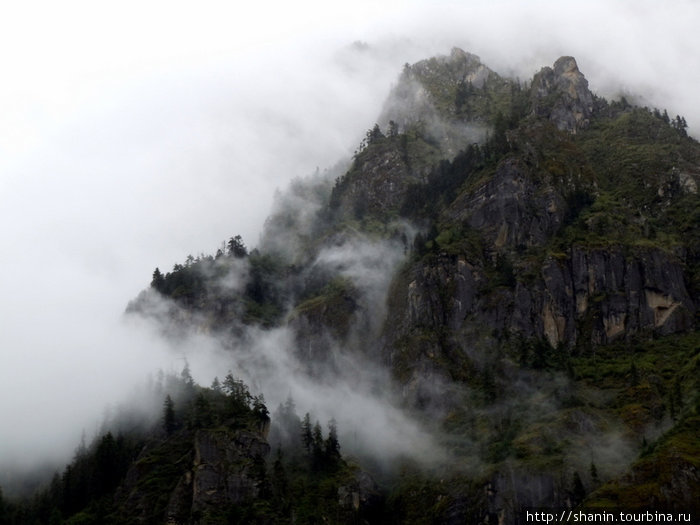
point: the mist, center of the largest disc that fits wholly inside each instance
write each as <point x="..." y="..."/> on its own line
<point x="134" y="136"/>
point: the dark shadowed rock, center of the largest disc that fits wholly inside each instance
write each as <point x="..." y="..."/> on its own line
<point x="512" y="208"/>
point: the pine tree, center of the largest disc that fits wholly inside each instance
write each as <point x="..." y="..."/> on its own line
<point x="578" y="491"/>
<point x="169" y="423"/>
<point x="106" y="470"/>
<point x="317" y="448"/>
<point x="332" y="444"/>
<point x="186" y="376"/>
<point x="236" y="248"/>
<point x="202" y="416"/>
<point x="317" y="436"/>
<point x="594" y="473"/>
<point x="290" y="406"/>
<point x="237" y="391"/>
<point x="306" y="436"/>
<point x="374" y="135"/>
<point x="279" y="476"/>
<point x="4" y="518"/>
<point x="677" y="394"/>
<point x="158" y="281"/>
<point x="393" y="129"/>
<point x="288" y="423"/>
<point x="259" y="408"/>
<point x="634" y="375"/>
<point x="229" y="385"/>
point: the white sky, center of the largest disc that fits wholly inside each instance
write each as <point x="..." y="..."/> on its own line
<point x="135" y="133"/>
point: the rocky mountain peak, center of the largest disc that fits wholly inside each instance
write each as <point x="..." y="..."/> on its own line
<point x="561" y="94"/>
<point x="427" y="90"/>
<point x="466" y="67"/>
<point x="566" y="66"/>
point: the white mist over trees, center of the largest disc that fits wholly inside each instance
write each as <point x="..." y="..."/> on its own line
<point x="135" y="136"/>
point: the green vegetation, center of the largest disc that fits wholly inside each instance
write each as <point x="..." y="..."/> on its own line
<point x="661" y="469"/>
<point x="145" y="474"/>
<point x="454" y="96"/>
<point x="232" y="285"/>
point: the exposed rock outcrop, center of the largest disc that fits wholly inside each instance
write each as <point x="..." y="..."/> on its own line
<point x="203" y="474"/>
<point x="591" y="296"/>
<point x="223" y="467"/>
<point x="376" y="183"/>
<point x="561" y="94"/>
<point x="512" y="209"/>
<point x="360" y="492"/>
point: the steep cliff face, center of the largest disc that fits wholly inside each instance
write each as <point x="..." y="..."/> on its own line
<point x="319" y="322"/>
<point x="195" y="475"/>
<point x="584" y="297"/>
<point x="539" y="245"/>
<point x="377" y="182"/>
<point x="513" y="209"/>
<point x="562" y="242"/>
<point x="224" y="468"/>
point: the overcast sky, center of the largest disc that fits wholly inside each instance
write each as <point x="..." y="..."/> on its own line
<point x="135" y="133"/>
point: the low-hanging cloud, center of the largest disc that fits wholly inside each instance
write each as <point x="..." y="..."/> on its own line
<point x="135" y="136"/>
<point x="359" y="397"/>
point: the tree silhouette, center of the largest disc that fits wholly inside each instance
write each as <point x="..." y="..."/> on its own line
<point x="332" y="444"/>
<point x="158" y="281"/>
<point x="169" y="423"/>
<point x="236" y="248"/>
<point x="306" y="435"/>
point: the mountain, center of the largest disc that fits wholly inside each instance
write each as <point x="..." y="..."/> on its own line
<point x="513" y="267"/>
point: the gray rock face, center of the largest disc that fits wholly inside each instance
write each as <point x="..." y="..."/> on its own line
<point x="223" y="470"/>
<point x="361" y="492"/>
<point x="591" y="296"/>
<point x="223" y="467"/>
<point x="561" y="94"/>
<point x="587" y="296"/>
<point x="512" y="209"/>
<point x="513" y="490"/>
<point x="378" y="182"/>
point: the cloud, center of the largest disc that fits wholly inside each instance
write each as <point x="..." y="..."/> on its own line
<point x="358" y="396"/>
<point x="136" y="134"/>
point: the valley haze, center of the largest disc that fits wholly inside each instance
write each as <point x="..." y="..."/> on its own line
<point x="133" y="136"/>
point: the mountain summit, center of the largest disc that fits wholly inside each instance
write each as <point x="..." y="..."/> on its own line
<point x="561" y="94"/>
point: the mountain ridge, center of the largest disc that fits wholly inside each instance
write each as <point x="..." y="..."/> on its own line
<point x="528" y="253"/>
